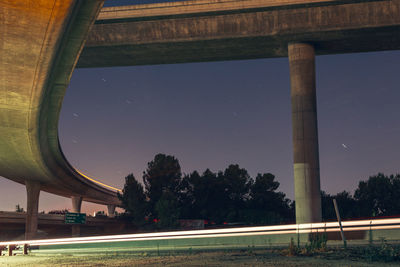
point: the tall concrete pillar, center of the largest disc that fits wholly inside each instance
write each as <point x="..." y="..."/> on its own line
<point x="76" y="207"/>
<point x="32" y="208"/>
<point x="305" y="133"/>
<point x="111" y="211"/>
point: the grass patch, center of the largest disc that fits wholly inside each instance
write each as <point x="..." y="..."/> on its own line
<point x="316" y="254"/>
<point x="383" y="252"/>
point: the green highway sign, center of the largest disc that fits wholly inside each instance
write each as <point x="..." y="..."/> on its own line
<point x="75" y="218"/>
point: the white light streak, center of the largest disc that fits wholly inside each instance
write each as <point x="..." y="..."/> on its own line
<point x="362" y="225"/>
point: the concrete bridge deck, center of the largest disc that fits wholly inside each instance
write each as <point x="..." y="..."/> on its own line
<point x="199" y="31"/>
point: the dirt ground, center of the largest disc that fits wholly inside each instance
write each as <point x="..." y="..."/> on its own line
<point x="220" y="258"/>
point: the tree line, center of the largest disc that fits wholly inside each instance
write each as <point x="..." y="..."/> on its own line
<point x="217" y="197"/>
<point x="378" y="196"/>
<point x="168" y="195"/>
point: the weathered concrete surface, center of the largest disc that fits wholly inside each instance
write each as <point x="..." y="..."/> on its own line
<point x="111" y="211"/>
<point x="39" y="46"/>
<point x="76" y="207"/>
<point x="198" y="31"/>
<point x="305" y="133"/>
<point x="31" y="222"/>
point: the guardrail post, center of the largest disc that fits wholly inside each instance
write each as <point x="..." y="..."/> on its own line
<point x="10" y="249"/>
<point x="25" y="249"/>
<point x="340" y="223"/>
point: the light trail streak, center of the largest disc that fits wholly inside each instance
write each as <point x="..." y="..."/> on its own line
<point x="362" y="225"/>
<point x="97" y="182"/>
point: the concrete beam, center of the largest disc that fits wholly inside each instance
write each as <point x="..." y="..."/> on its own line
<point x="32" y="208"/>
<point x="305" y="133"/>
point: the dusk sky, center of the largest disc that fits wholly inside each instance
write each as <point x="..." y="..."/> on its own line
<point x="209" y="115"/>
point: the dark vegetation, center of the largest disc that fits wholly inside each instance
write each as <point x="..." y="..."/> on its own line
<point x="232" y="196"/>
<point x="64" y="211"/>
<point x="378" y="196"/>
<point x="223" y="197"/>
<point x="18" y="208"/>
<point x="383" y="252"/>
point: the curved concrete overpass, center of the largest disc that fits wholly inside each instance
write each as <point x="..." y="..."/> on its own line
<point x="40" y="43"/>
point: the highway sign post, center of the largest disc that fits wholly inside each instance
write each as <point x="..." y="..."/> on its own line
<point x="75" y="218"/>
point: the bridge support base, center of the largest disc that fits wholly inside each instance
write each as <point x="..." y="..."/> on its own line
<point x="111" y="211"/>
<point x="76" y="207"/>
<point x="305" y="133"/>
<point x="32" y="207"/>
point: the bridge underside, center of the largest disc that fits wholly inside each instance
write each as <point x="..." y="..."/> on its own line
<point x="39" y="46"/>
<point x="39" y="49"/>
<point x="131" y="38"/>
<point x="351" y="41"/>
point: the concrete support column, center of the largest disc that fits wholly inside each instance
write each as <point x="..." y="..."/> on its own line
<point x="305" y="133"/>
<point x="76" y="207"/>
<point x="111" y="211"/>
<point x="32" y="208"/>
<point x="76" y="204"/>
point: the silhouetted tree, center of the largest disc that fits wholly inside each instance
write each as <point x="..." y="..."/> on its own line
<point x="328" y="211"/>
<point x="227" y="196"/>
<point x="188" y="197"/>
<point x="348" y="207"/>
<point x="64" y="211"/>
<point x="379" y="195"/>
<point x="100" y="214"/>
<point x="236" y="185"/>
<point x="163" y="174"/>
<point x="232" y="196"/>
<point x="134" y="200"/>
<point x="167" y="211"/>
<point x="18" y="208"/>
<point x="265" y="205"/>
<point x="203" y="196"/>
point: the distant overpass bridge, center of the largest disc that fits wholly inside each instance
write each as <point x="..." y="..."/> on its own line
<point x="42" y="41"/>
<point x="12" y="226"/>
